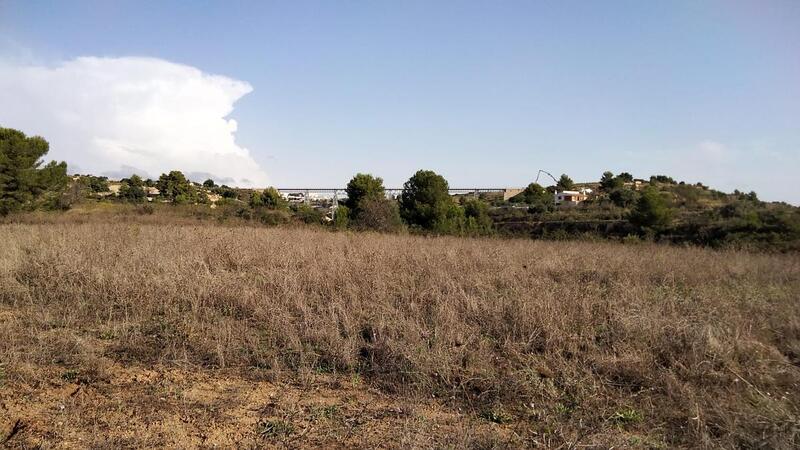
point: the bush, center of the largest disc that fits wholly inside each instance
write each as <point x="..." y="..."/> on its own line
<point x="622" y="197"/>
<point x="477" y="220"/>
<point x="176" y="188"/>
<point x="341" y="217"/>
<point x="273" y="216"/>
<point x="536" y="196"/>
<point x="132" y="189"/>
<point x="378" y="214"/>
<point x="270" y="198"/>
<point x="651" y="210"/>
<point x="96" y="184"/>
<point x="308" y="214"/>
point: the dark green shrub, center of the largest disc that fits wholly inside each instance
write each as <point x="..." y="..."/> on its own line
<point x="378" y="214"/>
<point x="132" y="190"/>
<point x="308" y="214"/>
<point x="273" y="216"/>
<point x="651" y="210"/>
<point x="363" y="187"/>
<point x="341" y="217"/>
<point x="425" y="202"/>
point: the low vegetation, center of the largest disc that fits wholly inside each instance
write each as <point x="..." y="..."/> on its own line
<point x="153" y="332"/>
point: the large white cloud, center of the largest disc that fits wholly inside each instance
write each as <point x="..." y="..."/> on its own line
<point x="118" y="115"/>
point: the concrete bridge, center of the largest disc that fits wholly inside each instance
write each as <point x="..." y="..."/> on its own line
<point x="337" y="193"/>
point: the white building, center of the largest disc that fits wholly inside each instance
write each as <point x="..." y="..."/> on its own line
<point x="571" y="197"/>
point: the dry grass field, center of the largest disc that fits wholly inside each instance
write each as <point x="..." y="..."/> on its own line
<point x="143" y="334"/>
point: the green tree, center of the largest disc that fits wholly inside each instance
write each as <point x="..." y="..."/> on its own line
<point x="536" y="196"/>
<point x="132" y="189"/>
<point x="226" y="192"/>
<point x="622" y="197"/>
<point x="477" y="219"/>
<point x="272" y="199"/>
<point x="269" y="198"/>
<point x="425" y="202"/>
<point x="625" y="177"/>
<point x="176" y="188"/>
<point x="565" y="183"/>
<point x="97" y="184"/>
<point x="661" y="179"/>
<point x="651" y="210"/>
<point x="362" y="187"/>
<point x="24" y="182"/>
<point x="608" y="182"/>
<point x="209" y="183"/>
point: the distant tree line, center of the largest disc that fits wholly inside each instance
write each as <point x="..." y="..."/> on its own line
<point x="620" y="206"/>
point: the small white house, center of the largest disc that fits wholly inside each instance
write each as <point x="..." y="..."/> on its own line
<point x="571" y="197"/>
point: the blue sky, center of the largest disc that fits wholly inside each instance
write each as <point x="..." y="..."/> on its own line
<point x="486" y="93"/>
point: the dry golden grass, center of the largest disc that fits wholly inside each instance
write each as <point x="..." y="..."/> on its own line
<point x="145" y="334"/>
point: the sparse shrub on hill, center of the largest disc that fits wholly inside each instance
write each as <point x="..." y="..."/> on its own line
<point x="662" y="179"/>
<point x="269" y="216"/>
<point x="270" y="198"/>
<point x="307" y="214"/>
<point x="225" y="192"/>
<point x="537" y="197"/>
<point x="24" y="183"/>
<point x="132" y="189"/>
<point x="96" y="184"/>
<point x="652" y="210"/>
<point x="176" y="188"/>
<point x="623" y="197"/>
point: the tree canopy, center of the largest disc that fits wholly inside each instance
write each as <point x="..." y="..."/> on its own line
<point x="270" y="198"/>
<point x="132" y="189"/>
<point x="24" y="182"/>
<point x="533" y="194"/>
<point x="176" y="188"/>
<point x="362" y="187"/>
<point x="565" y="183"/>
<point x="426" y="203"/>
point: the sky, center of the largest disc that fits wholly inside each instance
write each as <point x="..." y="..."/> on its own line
<point x="306" y="94"/>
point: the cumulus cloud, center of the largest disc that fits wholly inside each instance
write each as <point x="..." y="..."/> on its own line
<point x="115" y="115"/>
